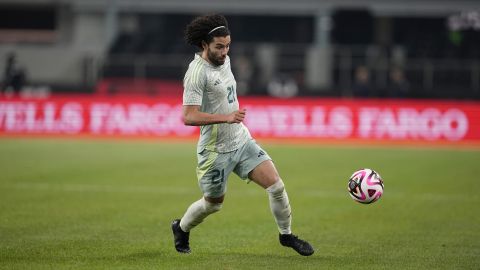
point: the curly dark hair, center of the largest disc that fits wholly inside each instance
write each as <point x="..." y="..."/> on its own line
<point x="199" y="28"/>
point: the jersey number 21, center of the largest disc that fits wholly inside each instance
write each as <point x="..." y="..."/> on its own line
<point x="231" y="94"/>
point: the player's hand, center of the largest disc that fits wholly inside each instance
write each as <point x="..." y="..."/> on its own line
<point x="236" y="116"/>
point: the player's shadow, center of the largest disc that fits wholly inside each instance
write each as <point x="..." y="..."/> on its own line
<point x="157" y="254"/>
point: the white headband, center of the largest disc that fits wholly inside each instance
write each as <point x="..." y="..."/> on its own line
<point x="215" y="29"/>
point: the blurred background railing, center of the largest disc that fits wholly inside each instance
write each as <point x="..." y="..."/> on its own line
<point x="354" y="71"/>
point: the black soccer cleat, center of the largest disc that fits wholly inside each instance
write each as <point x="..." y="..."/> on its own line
<point x="299" y="245"/>
<point x="180" y="238"/>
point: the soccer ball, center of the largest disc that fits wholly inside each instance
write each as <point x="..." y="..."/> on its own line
<point x="365" y="186"/>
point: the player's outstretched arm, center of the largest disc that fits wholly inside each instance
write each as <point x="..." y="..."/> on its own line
<point x="192" y="116"/>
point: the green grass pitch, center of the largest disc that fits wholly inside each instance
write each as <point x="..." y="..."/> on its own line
<point x="99" y="204"/>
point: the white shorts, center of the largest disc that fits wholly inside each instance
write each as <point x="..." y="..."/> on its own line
<point x="214" y="168"/>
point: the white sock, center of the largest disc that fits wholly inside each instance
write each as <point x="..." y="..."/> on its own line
<point x="198" y="211"/>
<point x="280" y="207"/>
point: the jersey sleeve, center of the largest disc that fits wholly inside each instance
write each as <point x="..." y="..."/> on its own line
<point x="194" y="85"/>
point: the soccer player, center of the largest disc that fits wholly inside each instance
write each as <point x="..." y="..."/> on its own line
<point x="225" y="144"/>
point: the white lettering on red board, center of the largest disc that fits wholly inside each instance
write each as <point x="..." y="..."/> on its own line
<point x="298" y="121"/>
<point x="158" y="119"/>
<point x="373" y="122"/>
<point x="287" y="121"/>
<point x="408" y="123"/>
<point x="32" y="117"/>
